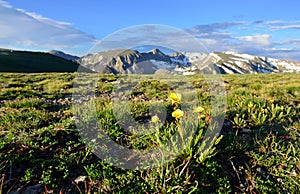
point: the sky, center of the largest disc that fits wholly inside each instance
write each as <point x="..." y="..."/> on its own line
<point x="262" y="27"/>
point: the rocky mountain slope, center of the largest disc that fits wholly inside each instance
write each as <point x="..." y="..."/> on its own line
<point x="134" y="62"/>
<point x="155" y="61"/>
<point x="231" y="62"/>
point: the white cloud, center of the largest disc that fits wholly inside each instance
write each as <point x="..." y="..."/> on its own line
<point x="295" y="26"/>
<point x="5" y="4"/>
<point x="45" y="20"/>
<point x="21" y="29"/>
<point x="282" y="49"/>
<point x="258" y="39"/>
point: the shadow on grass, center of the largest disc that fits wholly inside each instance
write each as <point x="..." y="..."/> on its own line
<point x="255" y="159"/>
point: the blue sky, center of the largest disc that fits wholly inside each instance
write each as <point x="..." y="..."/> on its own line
<point x="269" y="28"/>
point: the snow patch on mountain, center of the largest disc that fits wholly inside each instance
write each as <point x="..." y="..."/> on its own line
<point x="239" y="63"/>
<point x="194" y="56"/>
<point x="184" y="62"/>
<point x="161" y="64"/>
<point x="241" y="55"/>
<point x="287" y="65"/>
<point x="215" y="57"/>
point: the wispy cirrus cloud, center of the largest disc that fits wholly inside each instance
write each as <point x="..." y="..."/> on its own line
<point x="296" y="26"/>
<point x="22" y="29"/>
<point x="279" y="24"/>
<point x="208" y="28"/>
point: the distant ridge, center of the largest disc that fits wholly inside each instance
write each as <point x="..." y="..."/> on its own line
<point x="241" y="63"/>
<point x="63" y="55"/>
<point x="33" y="62"/>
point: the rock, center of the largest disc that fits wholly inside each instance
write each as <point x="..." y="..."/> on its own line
<point x="162" y="72"/>
<point x="80" y="179"/>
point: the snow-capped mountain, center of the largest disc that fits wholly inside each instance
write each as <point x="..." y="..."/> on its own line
<point x="134" y="62"/>
<point x="155" y="61"/>
<point x="232" y="62"/>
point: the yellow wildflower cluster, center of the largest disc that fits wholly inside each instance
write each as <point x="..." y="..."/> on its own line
<point x="177" y="113"/>
<point x="175" y="99"/>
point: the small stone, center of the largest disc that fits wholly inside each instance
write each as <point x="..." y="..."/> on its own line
<point x="80" y="179"/>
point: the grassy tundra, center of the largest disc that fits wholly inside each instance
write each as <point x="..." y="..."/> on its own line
<point x="258" y="150"/>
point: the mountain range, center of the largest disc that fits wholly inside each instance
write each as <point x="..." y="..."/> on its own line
<point x="126" y="61"/>
<point x="155" y="61"/>
<point x="134" y="62"/>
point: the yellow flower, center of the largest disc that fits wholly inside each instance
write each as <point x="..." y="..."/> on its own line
<point x="154" y="119"/>
<point x="177" y="113"/>
<point x="67" y="112"/>
<point x="175" y="98"/>
<point x="250" y="105"/>
<point x="202" y="116"/>
<point x="270" y="100"/>
<point x="199" y="109"/>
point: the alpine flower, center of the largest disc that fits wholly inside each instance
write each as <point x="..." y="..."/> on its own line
<point x="270" y="100"/>
<point x="154" y="119"/>
<point x="250" y="105"/>
<point x="199" y="109"/>
<point x="175" y="98"/>
<point x="177" y="113"/>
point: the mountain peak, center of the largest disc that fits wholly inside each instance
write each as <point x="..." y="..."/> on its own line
<point x="54" y="51"/>
<point x="156" y="51"/>
<point x="63" y="55"/>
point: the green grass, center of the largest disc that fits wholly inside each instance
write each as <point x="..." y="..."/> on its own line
<point x="258" y="150"/>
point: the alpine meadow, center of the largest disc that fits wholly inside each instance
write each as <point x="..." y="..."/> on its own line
<point x="148" y="97"/>
<point x="257" y="150"/>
